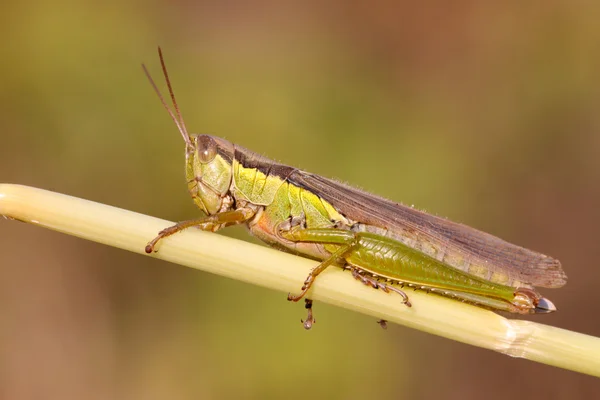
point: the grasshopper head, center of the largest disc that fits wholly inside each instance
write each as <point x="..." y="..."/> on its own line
<point x="208" y="172"/>
<point x="208" y="158"/>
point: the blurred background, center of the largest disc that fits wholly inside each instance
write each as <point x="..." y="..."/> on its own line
<point x="483" y="113"/>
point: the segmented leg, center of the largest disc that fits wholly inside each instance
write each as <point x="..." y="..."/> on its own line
<point x="209" y="223"/>
<point x="317" y="270"/>
<point x="345" y="239"/>
<point x="310" y="320"/>
<point x="375" y="284"/>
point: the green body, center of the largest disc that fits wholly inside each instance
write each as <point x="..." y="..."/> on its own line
<point x="381" y="255"/>
<point x="379" y="240"/>
<point x="312" y="216"/>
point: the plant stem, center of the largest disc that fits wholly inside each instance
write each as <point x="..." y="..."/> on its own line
<point x="280" y="271"/>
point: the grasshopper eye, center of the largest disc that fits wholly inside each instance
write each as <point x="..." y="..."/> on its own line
<point x="207" y="148"/>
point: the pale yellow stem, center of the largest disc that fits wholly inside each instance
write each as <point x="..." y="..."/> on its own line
<point x="276" y="270"/>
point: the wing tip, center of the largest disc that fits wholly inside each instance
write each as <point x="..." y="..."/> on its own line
<point x="553" y="273"/>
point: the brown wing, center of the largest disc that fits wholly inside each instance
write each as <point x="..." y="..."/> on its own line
<point x="482" y="248"/>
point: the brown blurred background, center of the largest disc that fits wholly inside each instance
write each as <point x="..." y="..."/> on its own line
<point x="486" y="114"/>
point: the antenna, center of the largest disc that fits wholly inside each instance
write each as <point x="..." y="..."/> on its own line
<point x="176" y="117"/>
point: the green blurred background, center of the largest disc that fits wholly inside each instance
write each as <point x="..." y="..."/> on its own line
<point x="486" y="114"/>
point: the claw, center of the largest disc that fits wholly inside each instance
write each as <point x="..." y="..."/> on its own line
<point x="310" y="320"/>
